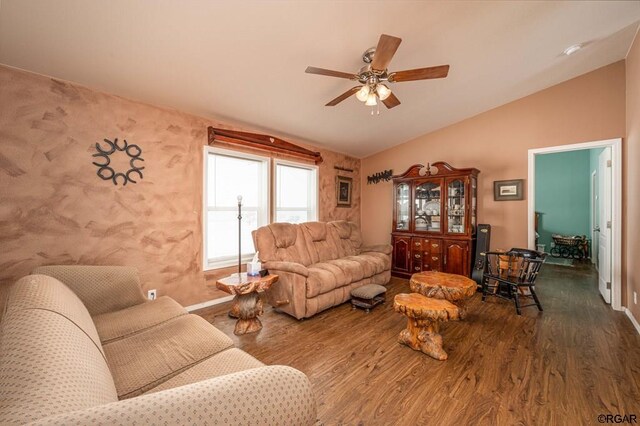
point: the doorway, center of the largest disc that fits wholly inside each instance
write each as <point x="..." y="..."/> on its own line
<point x="598" y="202"/>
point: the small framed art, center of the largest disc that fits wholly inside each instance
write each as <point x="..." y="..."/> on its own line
<point x="508" y="190"/>
<point x="343" y="191"/>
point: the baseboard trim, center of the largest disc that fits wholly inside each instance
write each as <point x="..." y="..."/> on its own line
<point x="209" y="303"/>
<point x="633" y="320"/>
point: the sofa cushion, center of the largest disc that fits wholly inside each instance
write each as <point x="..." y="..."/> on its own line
<point x="47" y="293"/>
<point x="321" y="243"/>
<point x="226" y="362"/>
<point x="352" y="269"/>
<point x="144" y="360"/>
<point x="281" y="242"/>
<point x="372" y="264"/>
<point x="118" y="324"/>
<point x="49" y="366"/>
<point x="101" y="288"/>
<point x="324" y="277"/>
<point x="381" y="257"/>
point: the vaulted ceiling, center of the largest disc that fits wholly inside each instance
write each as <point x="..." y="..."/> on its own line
<point x="244" y="61"/>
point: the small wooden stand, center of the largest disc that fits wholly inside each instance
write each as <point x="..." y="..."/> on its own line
<point x="438" y="285"/>
<point x="247" y="305"/>
<point x="423" y="318"/>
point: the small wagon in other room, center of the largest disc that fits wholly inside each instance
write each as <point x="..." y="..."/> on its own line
<point x="576" y="247"/>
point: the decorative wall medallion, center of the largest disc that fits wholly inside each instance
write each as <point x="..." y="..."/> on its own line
<point x="380" y="176"/>
<point x="106" y="172"/>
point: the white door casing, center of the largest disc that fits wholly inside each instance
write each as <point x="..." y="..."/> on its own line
<point x="616" y="205"/>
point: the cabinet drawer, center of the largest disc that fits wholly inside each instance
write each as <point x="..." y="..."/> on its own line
<point x="435" y="262"/>
<point x="416" y="266"/>
<point x="417" y="244"/>
<point x="435" y="246"/>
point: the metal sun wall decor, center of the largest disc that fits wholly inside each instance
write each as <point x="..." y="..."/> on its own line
<point x="106" y="172"/>
<point x="379" y="177"/>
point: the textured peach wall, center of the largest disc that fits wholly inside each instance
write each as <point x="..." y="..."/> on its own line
<point x="587" y="108"/>
<point x="590" y="107"/>
<point x="632" y="177"/>
<point x="55" y="210"/>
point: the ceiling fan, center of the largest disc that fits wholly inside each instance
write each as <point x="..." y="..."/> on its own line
<point x="374" y="74"/>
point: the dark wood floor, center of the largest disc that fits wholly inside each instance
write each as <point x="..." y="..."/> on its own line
<point x="564" y="366"/>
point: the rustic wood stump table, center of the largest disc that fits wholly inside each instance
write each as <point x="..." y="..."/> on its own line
<point x="247" y="305"/>
<point x="438" y="285"/>
<point x="423" y="318"/>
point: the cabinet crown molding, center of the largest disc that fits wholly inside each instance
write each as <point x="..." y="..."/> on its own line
<point x="439" y="168"/>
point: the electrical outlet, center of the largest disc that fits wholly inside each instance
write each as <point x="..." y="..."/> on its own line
<point x="151" y="294"/>
<point x="635" y="298"/>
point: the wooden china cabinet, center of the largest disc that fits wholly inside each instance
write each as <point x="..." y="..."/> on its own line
<point x="434" y="219"/>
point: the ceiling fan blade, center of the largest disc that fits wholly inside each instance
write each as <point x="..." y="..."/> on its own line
<point x="387" y="46"/>
<point x="330" y="73"/>
<point x="344" y="96"/>
<point x="391" y="101"/>
<point x="440" y="71"/>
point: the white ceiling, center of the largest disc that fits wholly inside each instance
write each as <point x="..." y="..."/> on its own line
<point x="244" y="61"/>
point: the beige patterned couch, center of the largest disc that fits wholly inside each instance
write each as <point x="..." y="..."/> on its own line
<point x="318" y="263"/>
<point x="95" y="351"/>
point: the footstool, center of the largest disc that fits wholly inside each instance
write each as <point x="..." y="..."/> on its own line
<point x="423" y="318"/>
<point x="368" y="296"/>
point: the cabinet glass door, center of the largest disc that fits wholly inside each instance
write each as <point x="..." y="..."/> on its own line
<point x="427" y="208"/>
<point x="474" y="204"/>
<point x="456" y="208"/>
<point x="402" y="206"/>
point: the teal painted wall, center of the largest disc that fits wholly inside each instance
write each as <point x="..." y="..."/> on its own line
<point x="563" y="194"/>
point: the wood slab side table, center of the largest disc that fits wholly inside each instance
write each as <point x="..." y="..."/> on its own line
<point x="423" y="318"/>
<point x="439" y="285"/>
<point x="247" y="305"/>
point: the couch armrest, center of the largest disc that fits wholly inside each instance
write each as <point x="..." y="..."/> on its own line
<point x="273" y="395"/>
<point x="380" y="248"/>
<point x="296" y="268"/>
<point x="102" y="289"/>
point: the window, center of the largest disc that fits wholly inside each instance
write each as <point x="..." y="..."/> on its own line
<point x="227" y="175"/>
<point x="296" y="192"/>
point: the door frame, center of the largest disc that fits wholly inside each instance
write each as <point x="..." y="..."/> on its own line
<point x="616" y="205"/>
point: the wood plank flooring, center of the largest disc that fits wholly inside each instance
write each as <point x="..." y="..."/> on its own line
<point x="563" y="366"/>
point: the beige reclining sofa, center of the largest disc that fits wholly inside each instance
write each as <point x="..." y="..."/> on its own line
<point x="318" y="263"/>
<point x="82" y="345"/>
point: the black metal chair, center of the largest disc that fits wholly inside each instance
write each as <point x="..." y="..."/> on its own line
<point x="512" y="276"/>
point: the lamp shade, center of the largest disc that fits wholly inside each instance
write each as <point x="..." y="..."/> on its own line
<point x="371" y="100"/>
<point x="363" y="93"/>
<point x="383" y="91"/>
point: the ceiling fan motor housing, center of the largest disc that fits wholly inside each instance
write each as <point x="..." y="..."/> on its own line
<point x="367" y="56"/>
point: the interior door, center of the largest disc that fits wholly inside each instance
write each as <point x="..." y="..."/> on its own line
<point x="595" y="225"/>
<point x="604" y="240"/>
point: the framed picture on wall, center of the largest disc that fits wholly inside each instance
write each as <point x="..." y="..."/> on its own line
<point x="508" y="190"/>
<point x="343" y="191"/>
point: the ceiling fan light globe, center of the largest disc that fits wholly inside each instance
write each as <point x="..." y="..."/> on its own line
<point x="383" y="91"/>
<point x="371" y="100"/>
<point x="363" y="93"/>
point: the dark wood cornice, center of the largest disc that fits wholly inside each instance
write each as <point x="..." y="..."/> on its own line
<point x="262" y="143"/>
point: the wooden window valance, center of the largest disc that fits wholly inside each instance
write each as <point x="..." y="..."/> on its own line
<point x="262" y="143"/>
